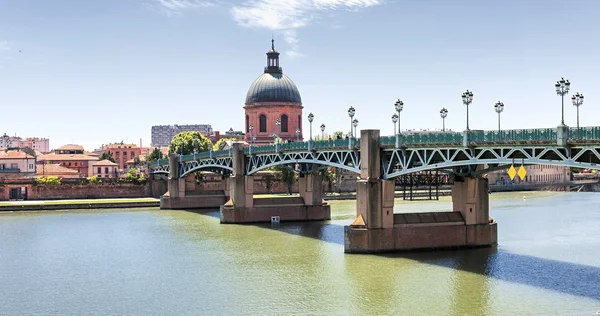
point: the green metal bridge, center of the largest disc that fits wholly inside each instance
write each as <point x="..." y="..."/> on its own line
<point x="456" y="152"/>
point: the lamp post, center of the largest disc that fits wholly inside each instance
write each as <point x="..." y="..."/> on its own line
<point x="562" y="88"/>
<point x="499" y="107"/>
<point x="322" y="131"/>
<point x="277" y="125"/>
<point x="351" y="112"/>
<point x="467" y="98"/>
<point x="399" y="105"/>
<point x="395" y="120"/>
<point x="577" y="101"/>
<point x="297" y="134"/>
<point x="355" y="124"/>
<point x="311" y="117"/>
<point x="250" y="128"/>
<point x="443" y="114"/>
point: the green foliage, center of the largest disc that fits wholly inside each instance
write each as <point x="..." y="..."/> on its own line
<point x="190" y="141"/>
<point x="51" y="180"/>
<point x="133" y="176"/>
<point x="94" y="180"/>
<point x="155" y="155"/>
<point x="336" y="134"/>
<point x="286" y="175"/>
<point x="328" y="174"/>
<point x="220" y="144"/>
<point x="107" y="155"/>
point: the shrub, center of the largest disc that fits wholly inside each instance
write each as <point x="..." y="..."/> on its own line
<point x="132" y="176"/>
<point x="94" y="180"/>
<point x="51" y="180"/>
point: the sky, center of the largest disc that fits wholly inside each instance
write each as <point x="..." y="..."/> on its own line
<point x="99" y="71"/>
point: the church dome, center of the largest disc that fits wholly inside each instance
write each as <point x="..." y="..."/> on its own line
<point x="273" y="87"/>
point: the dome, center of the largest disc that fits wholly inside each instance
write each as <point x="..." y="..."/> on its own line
<point x="273" y="87"/>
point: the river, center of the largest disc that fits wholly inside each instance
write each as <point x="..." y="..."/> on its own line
<point x="151" y="262"/>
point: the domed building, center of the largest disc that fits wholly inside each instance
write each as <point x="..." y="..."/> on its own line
<point x="273" y="105"/>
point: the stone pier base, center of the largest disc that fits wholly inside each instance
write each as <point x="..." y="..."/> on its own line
<point x="192" y="202"/>
<point x="423" y="231"/>
<point x="288" y="210"/>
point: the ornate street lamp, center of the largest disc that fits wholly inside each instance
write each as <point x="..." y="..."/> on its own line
<point x="467" y="98"/>
<point x="395" y="120"/>
<point x="322" y="131"/>
<point x="577" y="101"/>
<point x="499" y="107"/>
<point x="297" y="134"/>
<point x="351" y="112"/>
<point x="562" y="88"/>
<point x="251" y="127"/>
<point x="443" y="114"/>
<point x="311" y="117"/>
<point x="399" y="105"/>
<point x="355" y="124"/>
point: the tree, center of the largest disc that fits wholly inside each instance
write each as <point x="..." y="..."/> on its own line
<point x="132" y="176"/>
<point x="286" y="175"/>
<point x="220" y="144"/>
<point x="107" y="155"/>
<point x="94" y="180"/>
<point x="190" y="141"/>
<point x="337" y="134"/>
<point x="155" y="155"/>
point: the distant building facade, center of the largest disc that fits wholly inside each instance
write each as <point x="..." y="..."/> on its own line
<point x="72" y="157"/>
<point x="35" y="143"/>
<point x="163" y="134"/>
<point x="536" y="174"/>
<point x="16" y="163"/>
<point x="121" y="153"/>
<point x="105" y="169"/>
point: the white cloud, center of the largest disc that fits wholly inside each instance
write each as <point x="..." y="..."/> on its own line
<point x="176" y="6"/>
<point x="4" y="45"/>
<point x="287" y="16"/>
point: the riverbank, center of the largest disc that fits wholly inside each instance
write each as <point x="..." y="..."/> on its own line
<point x="53" y="205"/>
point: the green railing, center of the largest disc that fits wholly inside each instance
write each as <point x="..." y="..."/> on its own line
<point x="517" y="135"/>
<point x="408" y="139"/>
<point x="584" y="133"/>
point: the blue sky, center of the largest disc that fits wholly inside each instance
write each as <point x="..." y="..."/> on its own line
<point x="93" y="72"/>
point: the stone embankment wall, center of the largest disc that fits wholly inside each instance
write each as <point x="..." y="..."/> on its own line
<point x="84" y="191"/>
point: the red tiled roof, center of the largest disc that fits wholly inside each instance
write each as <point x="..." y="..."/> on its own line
<point x="14" y="154"/>
<point x="49" y="169"/>
<point x="66" y="157"/>
<point x="105" y="162"/>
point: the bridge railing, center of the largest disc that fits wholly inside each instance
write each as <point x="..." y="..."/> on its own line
<point x="515" y="135"/>
<point x="584" y="133"/>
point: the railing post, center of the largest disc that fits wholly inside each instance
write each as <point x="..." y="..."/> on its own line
<point x="212" y="154"/>
<point x="562" y="133"/>
<point x="276" y="147"/>
<point x="467" y="138"/>
<point x="310" y="145"/>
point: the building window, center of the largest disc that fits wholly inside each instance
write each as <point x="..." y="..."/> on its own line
<point x="30" y="166"/>
<point x="99" y="170"/>
<point x="117" y="154"/>
<point x="132" y="154"/>
<point x="247" y="124"/>
<point x="284" y="123"/>
<point x="263" y="123"/>
<point x="105" y="169"/>
<point x="300" y="122"/>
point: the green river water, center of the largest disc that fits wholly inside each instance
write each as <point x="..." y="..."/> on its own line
<point x="151" y="262"/>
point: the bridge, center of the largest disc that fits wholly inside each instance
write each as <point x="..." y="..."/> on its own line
<point x="469" y="155"/>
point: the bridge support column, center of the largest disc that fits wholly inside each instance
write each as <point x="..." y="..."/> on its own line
<point x="377" y="229"/>
<point x="178" y="198"/>
<point x="242" y="207"/>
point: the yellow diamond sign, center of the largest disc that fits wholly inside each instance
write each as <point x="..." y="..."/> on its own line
<point x="522" y="172"/>
<point x="512" y="172"/>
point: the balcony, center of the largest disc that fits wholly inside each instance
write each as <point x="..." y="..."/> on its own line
<point x="10" y="170"/>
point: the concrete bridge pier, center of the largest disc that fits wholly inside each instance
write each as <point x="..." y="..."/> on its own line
<point x="377" y="229"/>
<point x="182" y="193"/>
<point x="242" y="207"/>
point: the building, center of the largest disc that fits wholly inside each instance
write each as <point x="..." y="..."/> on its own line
<point x="536" y="174"/>
<point x="105" y="169"/>
<point x="35" y="143"/>
<point x="163" y="134"/>
<point x="273" y="104"/>
<point x="70" y="156"/>
<point x="16" y="164"/>
<point x="121" y="153"/>
<point x="55" y="170"/>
